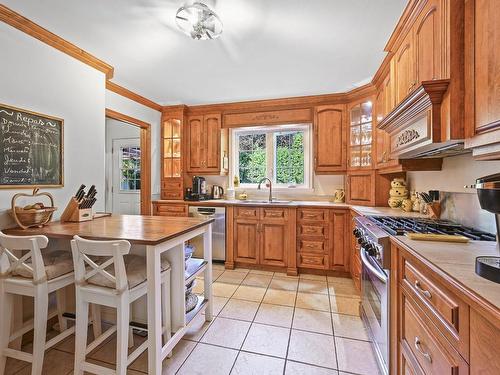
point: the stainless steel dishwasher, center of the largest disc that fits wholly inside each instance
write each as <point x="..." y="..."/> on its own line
<point x="218" y="231"/>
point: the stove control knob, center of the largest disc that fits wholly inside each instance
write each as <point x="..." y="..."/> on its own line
<point x="371" y="249"/>
<point x="358" y="232"/>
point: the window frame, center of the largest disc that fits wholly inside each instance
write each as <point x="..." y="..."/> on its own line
<point x="270" y="132"/>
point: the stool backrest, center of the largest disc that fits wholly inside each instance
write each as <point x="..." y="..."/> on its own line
<point x="12" y="263"/>
<point x="84" y="258"/>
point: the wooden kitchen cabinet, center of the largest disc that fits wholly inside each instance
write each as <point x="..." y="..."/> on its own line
<point x="355" y="262"/>
<point x="170" y="209"/>
<point x="403" y="68"/>
<point x="261" y="236"/>
<point x="322" y="239"/>
<point x="275" y="240"/>
<point x="246" y="241"/>
<point x="329" y="139"/>
<point x="428" y="46"/>
<point x="172" y="154"/>
<point x="437" y="327"/>
<point x="204" y="143"/>
<point x="360" y="150"/>
<point x="482" y="78"/>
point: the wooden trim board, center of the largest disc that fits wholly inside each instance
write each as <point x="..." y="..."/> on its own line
<point x="27" y="26"/>
<point x="120" y="90"/>
<point x="145" y="159"/>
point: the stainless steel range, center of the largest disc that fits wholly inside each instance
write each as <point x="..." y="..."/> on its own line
<point x="375" y="258"/>
<point x="373" y="234"/>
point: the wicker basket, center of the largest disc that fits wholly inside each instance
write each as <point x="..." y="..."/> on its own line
<point x="32" y="217"/>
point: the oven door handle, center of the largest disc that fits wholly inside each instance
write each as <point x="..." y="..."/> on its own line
<point x="380" y="275"/>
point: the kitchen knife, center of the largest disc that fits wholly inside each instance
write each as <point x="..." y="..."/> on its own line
<point x="80" y="190"/>
<point x="91" y="190"/>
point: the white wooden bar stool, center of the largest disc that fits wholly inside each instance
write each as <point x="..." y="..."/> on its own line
<point x="34" y="274"/>
<point x="115" y="280"/>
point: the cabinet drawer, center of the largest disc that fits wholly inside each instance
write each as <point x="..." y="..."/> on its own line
<point x="305" y="214"/>
<point x="274" y="213"/>
<point x="316" y="230"/>
<point x="312" y="261"/>
<point x="246" y="212"/>
<point x="171" y="194"/>
<point x="171" y="210"/>
<point x="430" y="349"/>
<point x="311" y="246"/>
<point x="171" y="184"/>
<point x="450" y="313"/>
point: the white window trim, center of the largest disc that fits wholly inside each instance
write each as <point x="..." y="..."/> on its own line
<point x="308" y="157"/>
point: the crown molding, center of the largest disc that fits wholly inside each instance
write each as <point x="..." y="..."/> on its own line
<point x="120" y="90"/>
<point x="27" y="26"/>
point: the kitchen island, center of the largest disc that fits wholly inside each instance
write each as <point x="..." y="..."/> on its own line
<point x="161" y="236"/>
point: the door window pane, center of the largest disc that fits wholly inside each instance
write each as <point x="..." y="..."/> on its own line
<point x="130" y="168"/>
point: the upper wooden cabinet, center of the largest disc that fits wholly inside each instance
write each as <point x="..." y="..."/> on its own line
<point x="172" y="154"/>
<point x="360" y="150"/>
<point x="403" y="65"/>
<point x="482" y="79"/>
<point x="329" y="139"/>
<point x="204" y="143"/>
<point x="422" y="55"/>
<point x="428" y="46"/>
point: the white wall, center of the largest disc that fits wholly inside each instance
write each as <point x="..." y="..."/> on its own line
<point x="128" y="107"/>
<point x="39" y="78"/>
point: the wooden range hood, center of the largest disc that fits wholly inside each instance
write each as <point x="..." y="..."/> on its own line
<point x="417" y="126"/>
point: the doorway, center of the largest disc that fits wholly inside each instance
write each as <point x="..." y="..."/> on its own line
<point x="128" y="165"/>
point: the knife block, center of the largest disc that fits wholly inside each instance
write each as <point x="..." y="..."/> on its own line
<point x="74" y="214"/>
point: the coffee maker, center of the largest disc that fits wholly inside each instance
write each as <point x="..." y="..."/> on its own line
<point x="488" y="192"/>
<point x="199" y="190"/>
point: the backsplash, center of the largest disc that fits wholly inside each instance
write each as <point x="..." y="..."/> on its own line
<point x="459" y="204"/>
<point x="464" y="208"/>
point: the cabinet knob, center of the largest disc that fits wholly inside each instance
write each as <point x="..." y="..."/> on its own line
<point x="418" y="286"/>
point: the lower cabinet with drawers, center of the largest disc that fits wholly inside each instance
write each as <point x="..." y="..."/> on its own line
<point x="170" y="209"/>
<point x="435" y="328"/>
<point x="321" y="239"/>
<point x="261" y="236"/>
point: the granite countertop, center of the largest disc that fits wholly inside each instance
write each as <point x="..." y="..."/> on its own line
<point x="457" y="260"/>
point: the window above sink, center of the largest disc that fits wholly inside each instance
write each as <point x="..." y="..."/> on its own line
<point x="281" y="153"/>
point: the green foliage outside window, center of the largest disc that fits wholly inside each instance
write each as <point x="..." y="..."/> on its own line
<point x="288" y="157"/>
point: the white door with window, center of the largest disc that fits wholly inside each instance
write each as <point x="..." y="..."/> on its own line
<point x="126" y="188"/>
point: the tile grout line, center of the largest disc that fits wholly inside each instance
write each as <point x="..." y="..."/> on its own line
<point x="252" y="322"/>
<point x="222" y="308"/>
<point x="291" y="327"/>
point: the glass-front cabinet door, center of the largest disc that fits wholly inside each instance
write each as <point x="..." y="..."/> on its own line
<point x="360" y="136"/>
<point x="172" y="148"/>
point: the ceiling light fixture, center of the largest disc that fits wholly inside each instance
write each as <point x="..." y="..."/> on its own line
<point x="198" y="21"/>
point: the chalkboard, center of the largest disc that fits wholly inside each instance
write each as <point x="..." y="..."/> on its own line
<point x="31" y="149"/>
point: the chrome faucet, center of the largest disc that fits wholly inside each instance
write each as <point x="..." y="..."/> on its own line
<point x="270" y="188"/>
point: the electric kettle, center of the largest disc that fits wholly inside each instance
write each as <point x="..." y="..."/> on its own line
<point x="217" y="192"/>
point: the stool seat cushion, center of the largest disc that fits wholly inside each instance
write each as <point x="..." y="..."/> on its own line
<point x="57" y="263"/>
<point x="135" y="267"/>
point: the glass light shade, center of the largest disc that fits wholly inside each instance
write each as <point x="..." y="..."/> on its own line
<point x="198" y="21"/>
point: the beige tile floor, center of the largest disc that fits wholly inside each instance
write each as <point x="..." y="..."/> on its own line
<point x="265" y="323"/>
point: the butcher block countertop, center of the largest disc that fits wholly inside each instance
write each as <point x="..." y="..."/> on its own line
<point x="457" y="260"/>
<point x="145" y="230"/>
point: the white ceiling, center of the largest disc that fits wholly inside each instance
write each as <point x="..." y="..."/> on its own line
<point x="268" y="49"/>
